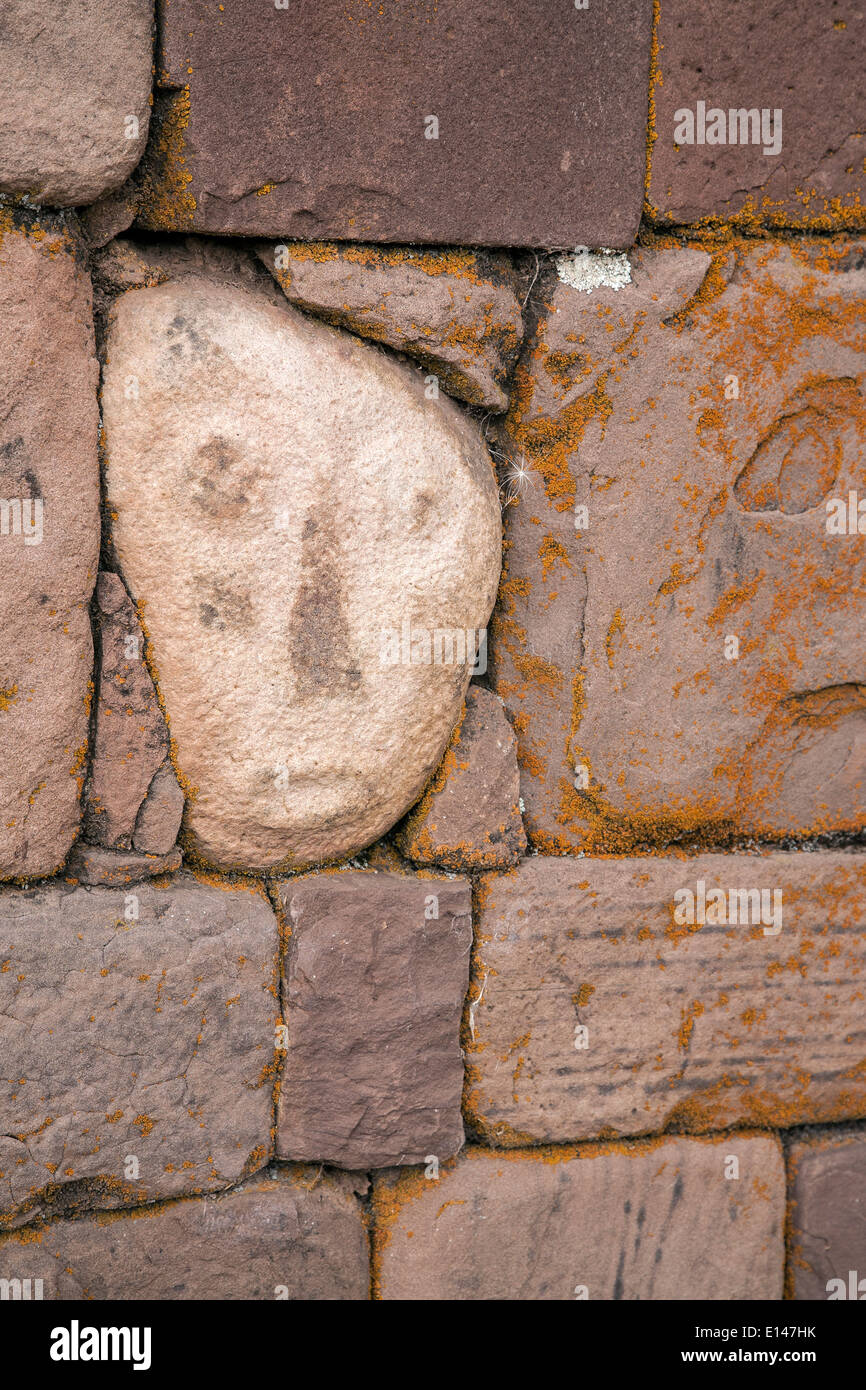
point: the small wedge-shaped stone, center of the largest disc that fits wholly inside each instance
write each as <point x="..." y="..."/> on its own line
<point x="671" y="1219"/>
<point x="316" y="545"/>
<point x="130" y="740"/>
<point x="453" y="311"/>
<point x="49" y="545"/>
<point x="299" y="1235"/>
<point x="138" y="1044"/>
<point x="623" y="996"/>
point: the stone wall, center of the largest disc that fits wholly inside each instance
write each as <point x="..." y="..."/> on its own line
<point x="432" y="659"/>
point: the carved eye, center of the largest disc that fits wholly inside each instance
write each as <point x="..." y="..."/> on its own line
<point x="795" y="466"/>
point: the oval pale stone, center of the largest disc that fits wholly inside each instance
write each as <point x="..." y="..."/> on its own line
<point x="311" y="540"/>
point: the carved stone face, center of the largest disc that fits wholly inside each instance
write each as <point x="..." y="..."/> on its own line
<point x="283" y="498"/>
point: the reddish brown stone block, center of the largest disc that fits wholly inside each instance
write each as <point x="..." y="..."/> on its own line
<point x="374" y="981"/>
<point x="678" y="639"/>
<point x="137" y="1030"/>
<point x="662" y="1220"/>
<point x="448" y="123"/>
<point x="758" y="115"/>
<point x="828" y="1216"/>
<point x="49" y="543"/>
<point x="606" y="1001"/>
<point x="469" y="818"/>
<point x="297" y="1234"/>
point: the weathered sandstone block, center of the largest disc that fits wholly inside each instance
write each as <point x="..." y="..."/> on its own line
<point x="679" y="641"/>
<point x="49" y="544"/>
<point x="130" y="740"/>
<point x="616" y="997"/>
<point x="321" y="541"/>
<point x="454" y="311"/>
<point x="454" y="124"/>
<point x="828" y="1216"/>
<point x="298" y="1235"/>
<point x="75" y="101"/>
<point x="757" y="115"/>
<point x="375" y="976"/>
<point x="661" y="1220"/>
<point x="138" y="1043"/>
<point x="469" y="817"/>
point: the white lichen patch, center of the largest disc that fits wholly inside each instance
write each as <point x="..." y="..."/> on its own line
<point x="589" y="270"/>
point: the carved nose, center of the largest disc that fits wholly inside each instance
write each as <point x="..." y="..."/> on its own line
<point x="320" y="655"/>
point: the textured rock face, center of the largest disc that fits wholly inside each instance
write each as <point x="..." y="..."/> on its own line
<point x="374" y="981"/>
<point x="98" y="867"/>
<point x="798" y="160"/>
<point x="828" y="1220"/>
<point x="456" y="314"/>
<point x="456" y="124"/>
<point x="75" y="103"/>
<point x="469" y="818"/>
<point x="678" y="640"/>
<point x="158" y="821"/>
<point x="145" y="1037"/>
<point x="49" y="544"/>
<point x="617" y="1015"/>
<point x="130" y="740"/>
<point x="317" y="522"/>
<point x="298" y="1236"/>
<point x="662" y="1222"/>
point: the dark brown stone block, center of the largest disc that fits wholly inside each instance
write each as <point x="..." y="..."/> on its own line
<point x="792" y="153"/>
<point x="316" y="121"/>
<point x="375" y="977"/>
<point x="828" y="1216"/>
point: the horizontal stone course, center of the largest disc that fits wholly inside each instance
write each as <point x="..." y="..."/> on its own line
<point x="673" y="1219"/>
<point x="599" y="1009"/>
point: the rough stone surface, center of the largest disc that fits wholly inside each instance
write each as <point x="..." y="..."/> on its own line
<point x="802" y="59"/>
<point x="454" y="312"/>
<point x="298" y="1235"/>
<point x="660" y="1221"/>
<point x="357" y="511"/>
<point x="701" y="1026"/>
<point x="374" y="985"/>
<point x="110" y="216"/>
<point x="828" y="1215"/>
<point x="695" y="425"/>
<point x="158" y="823"/>
<point x="313" y="125"/>
<point x="70" y="87"/>
<point x="149" y="1036"/>
<point x="130" y="739"/>
<point x="48" y="450"/>
<point x="469" y="818"/>
<point x="98" y="867"/>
